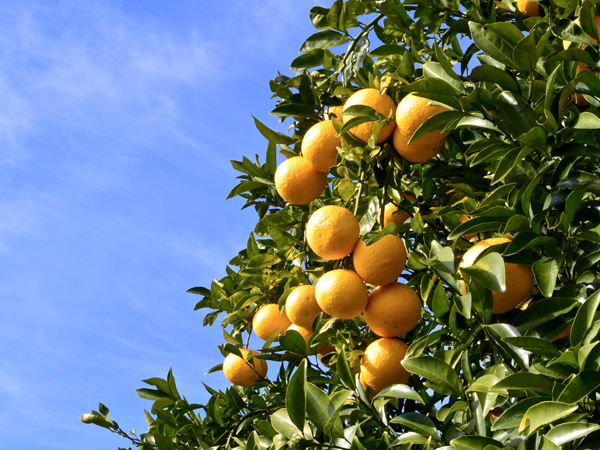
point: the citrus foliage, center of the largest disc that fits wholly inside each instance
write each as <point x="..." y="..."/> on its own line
<point x="519" y="161"/>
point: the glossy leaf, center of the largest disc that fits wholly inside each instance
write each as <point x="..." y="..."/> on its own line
<point x="435" y="370"/>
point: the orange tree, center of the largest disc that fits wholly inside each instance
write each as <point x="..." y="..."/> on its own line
<point x="486" y="146"/>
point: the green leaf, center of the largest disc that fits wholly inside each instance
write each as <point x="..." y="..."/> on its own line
<point x="430" y="86"/>
<point x="476" y="225"/>
<point x="496" y="46"/>
<point x="438" y="121"/>
<point x="417" y="422"/>
<point x="584" y="318"/>
<point x="263" y="260"/>
<point x="314" y="58"/>
<point x="343" y="370"/>
<point x="151" y="394"/>
<point x="96" y="419"/>
<point x="587" y="121"/>
<point x="387" y="50"/>
<point x="272" y="158"/>
<point x="534" y="345"/>
<point x="545" y="271"/>
<point x="283" y="424"/>
<point x="489" y="271"/>
<point x="580" y="386"/>
<point x="373" y="236"/>
<point x="474" y="443"/>
<point x="409" y="438"/>
<point x="499" y="332"/>
<point x="355" y="121"/>
<point x="525" y="53"/>
<point x="587" y="20"/>
<point x="297" y="110"/>
<point x="527" y="194"/>
<point x="547" y="444"/>
<point x="293" y="342"/>
<point x="543" y="311"/>
<point x="524" y="381"/>
<point x="273" y="136"/>
<point x="323" y="39"/>
<point x="317" y="406"/>
<point x="362" y="111"/>
<point x="569" y="31"/>
<point x="400" y="391"/>
<point x="512" y="416"/>
<point x="567" y="432"/>
<point x="492" y="74"/>
<point x="295" y="396"/>
<point x="435" y="70"/>
<point x="435" y="370"/>
<point x="544" y="413"/>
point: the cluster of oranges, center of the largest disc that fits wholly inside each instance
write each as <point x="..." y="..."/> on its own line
<point x="302" y="179"/>
<point x="391" y="309"/>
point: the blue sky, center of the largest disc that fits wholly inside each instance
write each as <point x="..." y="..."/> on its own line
<point x="117" y="125"/>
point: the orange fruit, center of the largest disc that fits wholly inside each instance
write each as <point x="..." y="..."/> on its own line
<point x="528" y="8"/>
<point x="332" y="232"/>
<point x="393" y="310"/>
<point x="519" y="279"/>
<point x="337" y="111"/>
<point x="301" y="306"/>
<point x="380" y="103"/>
<point x="267" y="320"/>
<point x="412" y="112"/>
<point x="342" y="294"/>
<point x="381" y="366"/>
<point x="306" y="334"/>
<point x="319" y="146"/>
<point x="242" y="373"/>
<point x="297" y="182"/>
<point x="567" y="44"/>
<point x="393" y="214"/>
<point x="382" y="262"/>
<point x="415" y="152"/>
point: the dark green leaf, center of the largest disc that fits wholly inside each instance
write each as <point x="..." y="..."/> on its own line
<point x="492" y="74"/>
<point x="295" y="396"/>
<point x="323" y="39"/>
<point x="313" y="58"/>
<point x="435" y="370"/>
<point x="317" y="406"/>
<point x="584" y="318"/>
<point x="344" y="371"/>
<point x="524" y="381"/>
<point x="525" y="53"/>
<point x="534" y="345"/>
<point x="542" y="311"/>
<point x="580" y="386"/>
<point x="545" y="271"/>
<point x="512" y="416"/>
<point x="489" y="271"/>
<point x="417" y="422"/>
<point x="294" y="110"/>
<point x="474" y="443"/>
<point x="498" y="47"/>
<point x="273" y="136"/>
<point x="544" y="413"/>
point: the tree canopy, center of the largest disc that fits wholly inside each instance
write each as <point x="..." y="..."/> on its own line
<point x="520" y="92"/>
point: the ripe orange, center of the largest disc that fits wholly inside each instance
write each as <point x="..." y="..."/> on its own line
<point x="301" y="306"/>
<point x="342" y="294"/>
<point x="393" y="310"/>
<point x="519" y="279"/>
<point x="337" y="111"/>
<point x="242" y="373"/>
<point x="382" y="262"/>
<point x="332" y="232"/>
<point x="319" y="146"/>
<point x="415" y="152"/>
<point x="529" y="8"/>
<point x="380" y="366"/>
<point x="567" y="44"/>
<point x="394" y="214"/>
<point x="380" y="103"/>
<point x="297" y="182"/>
<point x="412" y="112"/>
<point x="306" y="334"/>
<point x="267" y="320"/>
